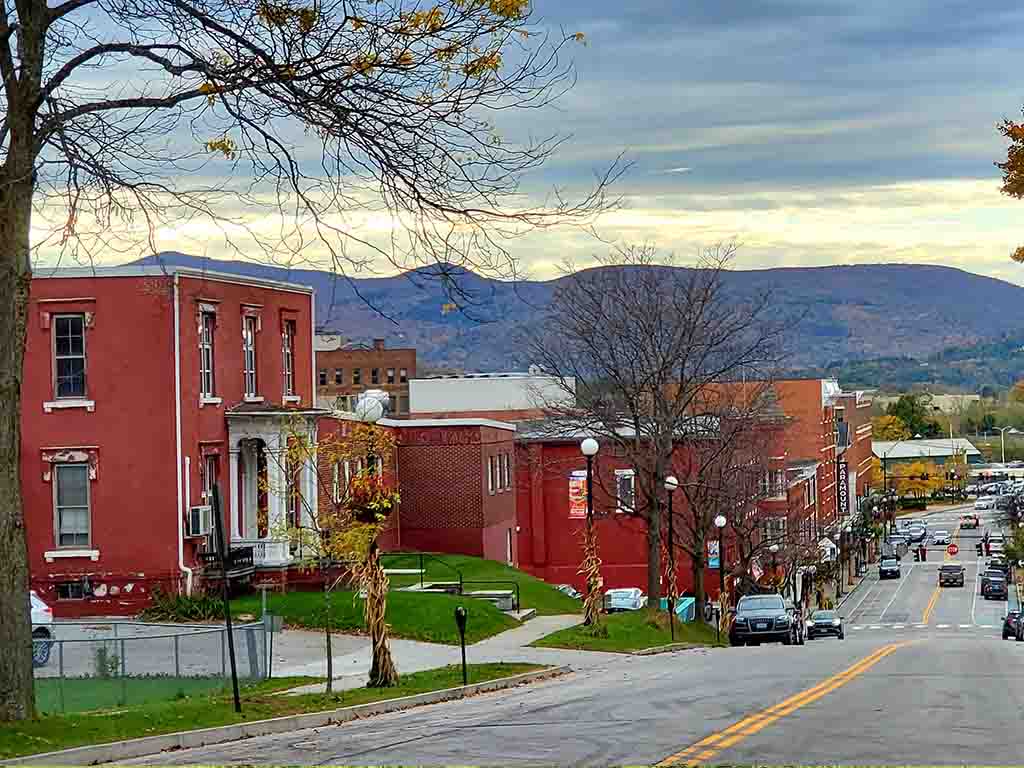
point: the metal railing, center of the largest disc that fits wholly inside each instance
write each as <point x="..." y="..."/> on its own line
<point x="98" y="665"/>
<point x="422" y="559"/>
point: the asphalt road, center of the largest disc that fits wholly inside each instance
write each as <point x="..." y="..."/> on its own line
<point x="922" y="678"/>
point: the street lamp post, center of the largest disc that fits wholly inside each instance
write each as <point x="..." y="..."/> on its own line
<point x="774" y="549"/>
<point x="720" y="524"/>
<point x="589" y="448"/>
<point x="670" y="485"/>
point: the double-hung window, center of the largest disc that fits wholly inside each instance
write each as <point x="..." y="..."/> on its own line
<point x="625" y="490"/>
<point x="207" y="324"/>
<point x="71" y="505"/>
<point x="249" y="328"/>
<point x="69" y="356"/>
<point x="288" y="356"/>
<point x="490" y="474"/>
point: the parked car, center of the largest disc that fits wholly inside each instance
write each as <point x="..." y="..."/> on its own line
<point x="1003" y="501"/>
<point x="951" y="575"/>
<point x="825" y="623"/>
<point x="628" y="599"/>
<point x="916" y="534"/>
<point x="1011" y="625"/>
<point x="969" y="521"/>
<point x="940" y="537"/>
<point x="889" y="568"/>
<point x="42" y="630"/>
<point x="993" y="586"/>
<point x="985" y="502"/>
<point x="568" y="589"/>
<point x="762" y="619"/>
<point x="999" y="564"/>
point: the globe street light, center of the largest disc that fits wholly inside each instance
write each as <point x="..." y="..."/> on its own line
<point x="670" y="485"/>
<point x="720" y="524"/>
<point x="589" y="448"/>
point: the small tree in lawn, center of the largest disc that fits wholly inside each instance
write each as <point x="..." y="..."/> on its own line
<point x="355" y="503"/>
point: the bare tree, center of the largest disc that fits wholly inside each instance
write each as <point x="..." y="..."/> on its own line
<point x="725" y="449"/>
<point x="121" y="116"/>
<point x="636" y="343"/>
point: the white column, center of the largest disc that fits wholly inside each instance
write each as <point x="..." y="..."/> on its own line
<point x="276" y="482"/>
<point x="233" y="449"/>
<point x="310" y="485"/>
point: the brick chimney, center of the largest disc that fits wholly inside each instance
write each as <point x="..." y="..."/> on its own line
<point x="378" y="344"/>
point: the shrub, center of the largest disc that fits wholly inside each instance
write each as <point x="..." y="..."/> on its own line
<point x="183" y="607"/>
<point x="105" y="662"/>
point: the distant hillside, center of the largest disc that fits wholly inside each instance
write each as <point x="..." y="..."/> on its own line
<point x="997" y="363"/>
<point x="849" y="313"/>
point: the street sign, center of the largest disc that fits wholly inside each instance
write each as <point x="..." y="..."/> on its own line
<point x="952" y="549"/>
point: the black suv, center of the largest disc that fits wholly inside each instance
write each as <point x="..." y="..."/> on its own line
<point x="763" y="619"/>
<point x="889" y="568"/>
<point x="951" y="574"/>
<point x="993" y="586"/>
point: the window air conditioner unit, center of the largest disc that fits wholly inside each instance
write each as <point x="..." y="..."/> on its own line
<point x="199" y="521"/>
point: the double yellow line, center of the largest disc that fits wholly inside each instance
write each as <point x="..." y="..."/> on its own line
<point x="935" y="595"/>
<point x="711" y="745"/>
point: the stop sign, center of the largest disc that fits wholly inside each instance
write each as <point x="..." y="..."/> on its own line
<point x="952" y="549"/>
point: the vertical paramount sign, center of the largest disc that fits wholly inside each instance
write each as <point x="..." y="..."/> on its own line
<point x="843" y="486"/>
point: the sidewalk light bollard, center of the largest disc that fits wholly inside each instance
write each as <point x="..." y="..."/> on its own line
<point x="460" y="621"/>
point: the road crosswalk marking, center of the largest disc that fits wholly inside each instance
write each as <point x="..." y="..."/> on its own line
<point x="862" y="627"/>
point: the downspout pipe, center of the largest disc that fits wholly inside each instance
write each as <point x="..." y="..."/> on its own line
<point x="178" y="465"/>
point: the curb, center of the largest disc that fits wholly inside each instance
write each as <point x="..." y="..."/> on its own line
<point x="149" y="745"/>
<point x="852" y="592"/>
<point x="671" y="647"/>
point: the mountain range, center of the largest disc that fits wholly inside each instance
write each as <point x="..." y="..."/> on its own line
<point x="848" y="316"/>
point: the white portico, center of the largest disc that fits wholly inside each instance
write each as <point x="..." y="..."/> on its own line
<point x="268" y="491"/>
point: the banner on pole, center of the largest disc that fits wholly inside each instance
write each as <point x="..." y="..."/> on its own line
<point x="578" y="493"/>
<point x="714" y="560"/>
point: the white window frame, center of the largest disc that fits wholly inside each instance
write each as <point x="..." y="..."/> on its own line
<point x="339" y="376"/>
<point x="336" y="482"/>
<point x="207" y="355"/>
<point x="389" y="375"/>
<point x="357" y="377"/>
<point x="621" y="474"/>
<point x="775" y="529"/>
<point x="57" y="506"/>
<point x="506" y="469"/>
<point x="490" y="475"/>
<point x="812" y="492"/>
<point x="403" y="375"/>
<point x="288" y="356"/>
<point x="209" y="477"/>
<point x="250" y="382"/>
<point x="84" y="356"/>
<point x="375" y="376"/>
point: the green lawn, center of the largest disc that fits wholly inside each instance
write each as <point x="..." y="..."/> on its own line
<point x="426" y="617"/>
<point x="533" y="593"/>
<point x="81" y="694"/>
<point x="630" y="631"/>
<point x="55" y="732"/>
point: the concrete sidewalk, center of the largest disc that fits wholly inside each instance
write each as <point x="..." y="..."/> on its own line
<point x="351" y="666"/>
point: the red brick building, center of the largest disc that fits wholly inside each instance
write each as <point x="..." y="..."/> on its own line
<point x="141" y="387"/>
<point x="344" y="373"/>
<point x="455" y="477"/>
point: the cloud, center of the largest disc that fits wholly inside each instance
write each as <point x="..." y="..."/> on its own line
<point x="852" y="131"/>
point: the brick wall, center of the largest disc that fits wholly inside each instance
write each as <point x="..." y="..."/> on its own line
<point x="379" y="357"/>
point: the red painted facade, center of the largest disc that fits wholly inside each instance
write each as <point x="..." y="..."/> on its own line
<point x="144" y="446"/>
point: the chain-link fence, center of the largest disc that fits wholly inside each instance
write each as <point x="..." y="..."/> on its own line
<point x="86" y="666"/>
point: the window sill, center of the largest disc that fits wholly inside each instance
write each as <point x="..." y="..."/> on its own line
<point x="53" y="554"/>
<point x="252" y="399"/>
<point x="292" y="398"/>
<point x="51" y="405"/>
<point x="210" y="401"/>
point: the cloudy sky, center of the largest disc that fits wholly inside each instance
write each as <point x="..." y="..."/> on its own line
<point x="811" y="132"/>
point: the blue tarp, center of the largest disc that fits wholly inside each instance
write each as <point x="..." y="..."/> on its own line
<point x="684" y="607"/>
